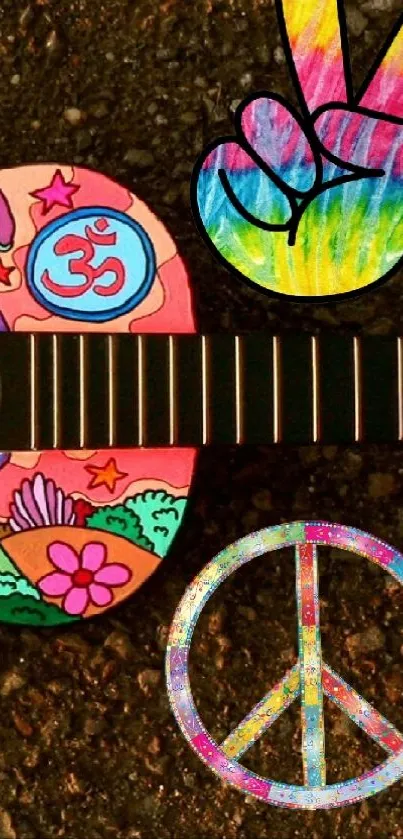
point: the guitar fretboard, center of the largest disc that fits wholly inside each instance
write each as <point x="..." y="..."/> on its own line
<point x="100" y="390"/>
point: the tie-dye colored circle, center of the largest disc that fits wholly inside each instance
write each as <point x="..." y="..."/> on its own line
<point x="80" y="531"/>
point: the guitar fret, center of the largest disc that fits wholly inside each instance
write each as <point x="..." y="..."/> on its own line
<point x="276" y="390"/>
<point x="239" y="398"/>
<point x="173" y="393"/>
<point x="33" y="365"/>
<point x="315" y="390"/>
<point x="111" y="390"/>
<point x="56" y="390"/>
<point x="400" y="387"/>
<point x="198" y="390"/>
<point x="205" y="390"/>
<point x="82" y="390"/>
<point x="357" y="390"/>
<point x="140" y="391"/>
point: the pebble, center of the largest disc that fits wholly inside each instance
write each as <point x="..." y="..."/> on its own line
<point x="120" y="643"/>
<point x="6" y="828"/>
<point x="381" y="484"/>
<point x="100" y="110"/>
<point x="262" y="500"/>
<point x="143" y="158"/>
<point x="149" y="679"/>
<point x="10" y="682"/>
<point x="22" y="725"/>
<point x="279" y="55"/>
<point x="15" y="79"/>
<point x="381" y="5"/>
<point x="247" y="612"/>
<point x="370" y="640"/>
<point x="356" y="21"/>
<point x="73" y="115"/>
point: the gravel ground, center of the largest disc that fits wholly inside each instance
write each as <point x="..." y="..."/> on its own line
<point x="88" y="745"/>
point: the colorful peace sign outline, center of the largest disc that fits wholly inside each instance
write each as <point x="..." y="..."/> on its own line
<point x="310" y="676"/>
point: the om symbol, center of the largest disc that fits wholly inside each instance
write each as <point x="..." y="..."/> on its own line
<point x="72" y="243"/>
<point x="92" y="264"/>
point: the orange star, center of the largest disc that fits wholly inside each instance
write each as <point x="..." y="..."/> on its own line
<point x="108" y="474"/>
<point x="5" y="273"/>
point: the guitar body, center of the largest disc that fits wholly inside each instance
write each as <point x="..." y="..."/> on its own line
<point x="81" y="530"/>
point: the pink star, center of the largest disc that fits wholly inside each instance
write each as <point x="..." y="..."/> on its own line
<point x="58" y="192"/>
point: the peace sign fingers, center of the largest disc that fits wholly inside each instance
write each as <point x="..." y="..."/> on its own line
<point x="383" y="89"/>
<point x="315" y="40"/>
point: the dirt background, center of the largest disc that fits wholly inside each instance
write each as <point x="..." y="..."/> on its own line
<point x="88" y="745"/>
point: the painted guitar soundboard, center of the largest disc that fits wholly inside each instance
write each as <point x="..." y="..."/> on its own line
<point x="81" y="530"/>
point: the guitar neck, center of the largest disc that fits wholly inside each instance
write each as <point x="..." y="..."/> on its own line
<point x="69" y="391"/>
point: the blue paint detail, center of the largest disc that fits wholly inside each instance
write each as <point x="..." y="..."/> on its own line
<point x="4" y="458"/>
<point x="133" y="247"/>
<point x="396" y="567"/>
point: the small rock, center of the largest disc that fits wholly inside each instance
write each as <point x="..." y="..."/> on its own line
<point x="162" y="636"/>
<point x="100" y="110"/>
<point x="143" y="158"/>
<point x="154" y="747"/>
<point x="52" y="42"/>
<point x="352" y="464"/>
<point x="247" y="612"/>
<point x="393" y="685"/>
<point x="381" y="484"/>
<point x="279" y="55"/>
<point x="6" y="828"/>
<point x="262" y="500"/>
<point x="189" y="118"/>
<point x="380" y="6"/>
<point x="250" y="521"/>
<point x="15" y="79"/>
<point x="22" y="725"/>
<point x="365" y="642"/>
<point x="216" y="621"/>
<point x="84" y="140"/>
<point x="356" y="21"/>
<point x="120" y="644"/>
<point x="11" y="681"/>
<point x="73" y="116"/>
<point x="246" y="80"/>
<point x="149" y="679"/>
<point x="26" y="16"/>
<point x="329" y="452"/>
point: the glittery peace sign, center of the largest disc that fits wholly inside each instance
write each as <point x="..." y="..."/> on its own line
<point x="310" y="678"/>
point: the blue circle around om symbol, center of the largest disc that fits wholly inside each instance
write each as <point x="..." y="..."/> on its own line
<point x="92" y="264"/>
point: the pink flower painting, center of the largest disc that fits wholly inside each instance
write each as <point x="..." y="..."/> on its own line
<point x="82" y="578"/>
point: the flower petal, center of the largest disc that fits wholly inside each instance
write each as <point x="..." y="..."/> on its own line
<point x="76" y="601"/>
<point x="113" y="574"/>
<point x="64" y="557"/>
<point x="55" y="584"/>
<point x="93" y="556"/>
<point x="100" y="595"/>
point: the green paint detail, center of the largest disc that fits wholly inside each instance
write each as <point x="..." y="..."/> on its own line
<point x="121" y="521"/>
<point x="10" y="584"/>
<point x="6" y="564"/>
<point x="160" y="515"/>
<point x="20" y="609"/>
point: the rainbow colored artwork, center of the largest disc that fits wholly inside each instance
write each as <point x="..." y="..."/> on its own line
<point x="81" y="530"/>
<point x="307" y="203"/>
<point x="310" y="678"/>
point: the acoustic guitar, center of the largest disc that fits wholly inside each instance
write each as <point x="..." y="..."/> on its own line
<point x="107" y="392"/>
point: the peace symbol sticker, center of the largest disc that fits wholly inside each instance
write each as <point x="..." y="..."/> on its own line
<point x="310" y="679"/>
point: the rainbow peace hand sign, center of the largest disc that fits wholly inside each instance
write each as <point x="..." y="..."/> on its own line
<point x="309" y="204"/>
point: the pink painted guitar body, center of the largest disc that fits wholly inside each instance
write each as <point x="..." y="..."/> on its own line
<point x="81" y="530"/>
